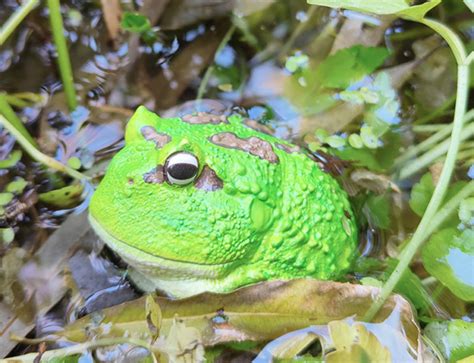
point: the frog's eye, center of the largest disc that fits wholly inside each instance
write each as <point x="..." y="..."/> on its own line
<point x="181" y="168"/>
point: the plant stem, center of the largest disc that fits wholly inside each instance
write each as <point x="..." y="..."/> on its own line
<point x="63" y="56"/>
<point x="430" y="156"/>
<point x="440" y="111"/>
<point x="38" y="155"/>
<point x="17" y="17"/>
<point x="210" y="69"/>
<point x="427" y="129"/>
<point x="427" y="224"/>
<point x="299" y="28"/>
<point x="10" y="115"/>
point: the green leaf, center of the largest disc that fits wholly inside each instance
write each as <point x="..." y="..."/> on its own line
<point x="360" y="157"/>
<point x="5" y="198"/>
<point x="74" y="162"/>
<point x="7" y="235"/>
<point x="379" y="210"/>
<point x="335" y="141"/>
<point x="135" y="22"/>
<point x="421" y="194"/>
<point x="466" y="212"/>
<point x="454" y="339"/>
<point x="296" y="62"/>
<point x="17" y="186"/>
<point x="350" y="65"/>
<point x="423" y="190"/>
<point x="368" y="137"/>
<point x="448" y="256"/>
<point x="356" y="141"/>
<point x="381" y="7"/>
<point x="13" y="159"/>
<point x="470" y="4"/>
<point x="65" y="197"/>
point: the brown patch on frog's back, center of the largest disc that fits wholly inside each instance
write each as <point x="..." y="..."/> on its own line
<point x="254" y="125"/>
<point x="202" y="118"/>
<point x="253" y="145"/>
<point x="208" y="180"/>
<point x="155" y="175"/>
<point x="150" y="134"/>
<point x="288" y="149"/>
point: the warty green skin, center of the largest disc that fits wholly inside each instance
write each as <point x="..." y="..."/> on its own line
<point x="270" y="220"/>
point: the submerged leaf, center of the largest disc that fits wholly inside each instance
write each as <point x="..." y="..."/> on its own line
<point x="449" y="256"/>
<point x="256" y="313"/>
<point x="350" y="65"/>
<point x="421" y="194"/>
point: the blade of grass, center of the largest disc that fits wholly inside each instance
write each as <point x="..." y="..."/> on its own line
<point x="15" y="19"/>
<point x="207" y="75"/>
<point x="64" y="62"/>
<point x="38" y="155"/>
<point x="10" y="115"/>
<point x="430" y="156"/>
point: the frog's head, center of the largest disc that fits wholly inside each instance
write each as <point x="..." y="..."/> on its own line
<point x="189" y="195"/>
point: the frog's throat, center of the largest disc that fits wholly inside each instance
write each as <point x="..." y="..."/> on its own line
<point x="152" y="264"/>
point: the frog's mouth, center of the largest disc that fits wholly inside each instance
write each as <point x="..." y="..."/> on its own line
<point x="158" y="265"/>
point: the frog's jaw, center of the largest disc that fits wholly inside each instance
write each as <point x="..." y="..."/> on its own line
<point x="177" y="279"/>
<point x="154" y="265"/>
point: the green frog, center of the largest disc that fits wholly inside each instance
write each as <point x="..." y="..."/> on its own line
<point x="212" y="202"/>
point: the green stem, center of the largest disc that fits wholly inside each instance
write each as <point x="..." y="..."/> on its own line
<point x="427" y="223"/>
<point x="17" y="17"/>
<point x="10" y="115"/>
<point x="432" y="140"/>
<point x="210" y="69"/>
<point x="301" y="26"/>
<point x="440" y="111"/>
<point x="428" y="129"/>
<point x="38" y="155"/>
<point x="63" y="56"/>
<point x="434" y="153"/>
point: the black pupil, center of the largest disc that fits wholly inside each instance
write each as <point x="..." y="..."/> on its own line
<point x="182" y="171"/>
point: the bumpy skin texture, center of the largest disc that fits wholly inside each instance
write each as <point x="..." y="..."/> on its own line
<point x="274" y="215"/>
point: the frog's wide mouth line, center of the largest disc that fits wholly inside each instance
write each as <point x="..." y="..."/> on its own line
<point x="145" y="261"/>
